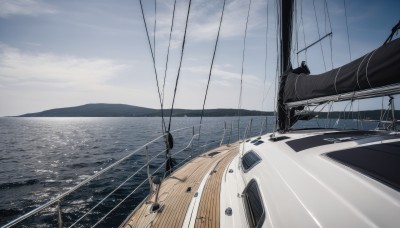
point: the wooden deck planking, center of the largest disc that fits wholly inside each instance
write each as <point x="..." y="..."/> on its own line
<point x="207" y="204"/>
<point x="168" y="186"/>
<point x="208" y="214"/>
<point x="179" y="200"/>
<point x="174" y="199"/>
<point x="195" y="180"/>
<point x="177" y="196"/>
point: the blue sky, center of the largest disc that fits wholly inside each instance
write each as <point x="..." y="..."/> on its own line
<point x="67" y="53"/>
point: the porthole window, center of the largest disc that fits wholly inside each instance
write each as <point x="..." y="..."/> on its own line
<point x="249" y="160"/>
<point x="255" y="212"/>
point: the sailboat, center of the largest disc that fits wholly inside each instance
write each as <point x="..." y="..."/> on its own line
<point x="295" y="178"/>
<point x="289" y="177"/>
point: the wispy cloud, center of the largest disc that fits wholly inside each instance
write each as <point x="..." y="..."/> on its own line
<point x="204" y="19"/>
<point x="45" y="69"/>
<point x="224" y="77"/>
<point x="24" y="7"/>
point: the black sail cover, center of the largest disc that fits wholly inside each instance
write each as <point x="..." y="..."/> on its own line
<point x="378" y="68"/>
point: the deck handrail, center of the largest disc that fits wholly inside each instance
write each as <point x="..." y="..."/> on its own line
<point x="58" y="198"/>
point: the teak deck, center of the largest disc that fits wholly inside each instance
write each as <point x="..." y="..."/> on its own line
<point x="175" y="196"/>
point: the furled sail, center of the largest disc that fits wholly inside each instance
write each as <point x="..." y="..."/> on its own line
<point x="378" y="68"/>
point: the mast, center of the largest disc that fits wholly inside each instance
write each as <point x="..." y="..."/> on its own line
<point x="372" y="75"/>
<point x="286" y="34"/>
<point x="286" y="24"/>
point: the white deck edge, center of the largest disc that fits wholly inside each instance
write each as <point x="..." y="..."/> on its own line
<point x="195" y="202"/>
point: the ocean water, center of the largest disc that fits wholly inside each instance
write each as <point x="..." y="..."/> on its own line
<point x="40" y="158"/>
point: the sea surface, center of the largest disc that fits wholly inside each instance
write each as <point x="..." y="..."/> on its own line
<point x="40" y="158"/>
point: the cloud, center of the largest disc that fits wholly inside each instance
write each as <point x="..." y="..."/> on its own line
<point x="234" y="20"/>
<point x="24" y="7"/>
<point x="224" y="77"/>
<point x="204" y="20"/>
<point x="52" y="71"/>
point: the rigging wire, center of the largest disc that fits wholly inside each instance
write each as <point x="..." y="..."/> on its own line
<point x="394" y="30"/>
<point x="382" y="114"/>
<point x="297" y="37"/>
<point x="330" y="27"/>
<point x="328" y="120"/>
<point x="348" y="114"/>
<point x="325" y="21"/>
<point x="212" y="63"/>
<point x="358" y="112"/>
<point x="166" y="62"/>
<point x="265" y="64"/>
<point x="347" y="27"/>
<point x="331" y="49"/>
<point x="241" y="75"/>
<point x="317" y="112"/>
<point x="155" y="27"/>
<point x="352" y="110"/>
<point x="386" y="114"/>
<point x="302" y="25"/>
<point x="154" y="62"/>
<point x="296" y="46"/>
<point x="317" y="117"/>
<point x="319" y="34"/>
<point x="180" y="65"/>
<point x="277" y="28"/>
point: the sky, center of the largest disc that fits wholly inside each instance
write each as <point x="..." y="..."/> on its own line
<point x="57" y="53"/>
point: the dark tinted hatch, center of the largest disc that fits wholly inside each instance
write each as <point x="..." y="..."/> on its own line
<point x="249" y="160"/>
<point x="380" y="161"/>
<point x="253" y="204"/>
<point x="327" y="138"/>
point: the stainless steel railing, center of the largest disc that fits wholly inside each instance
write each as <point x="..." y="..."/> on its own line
<point x="209" y="140"/>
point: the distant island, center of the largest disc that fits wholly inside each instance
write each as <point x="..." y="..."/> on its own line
<point x="122" y="110"/>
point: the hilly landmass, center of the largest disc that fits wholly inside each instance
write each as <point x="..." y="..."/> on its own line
<point x="364" y="115"/>
<point x="122" y="110"/>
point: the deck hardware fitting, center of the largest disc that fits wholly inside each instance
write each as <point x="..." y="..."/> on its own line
<point x="228" y="211"/>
